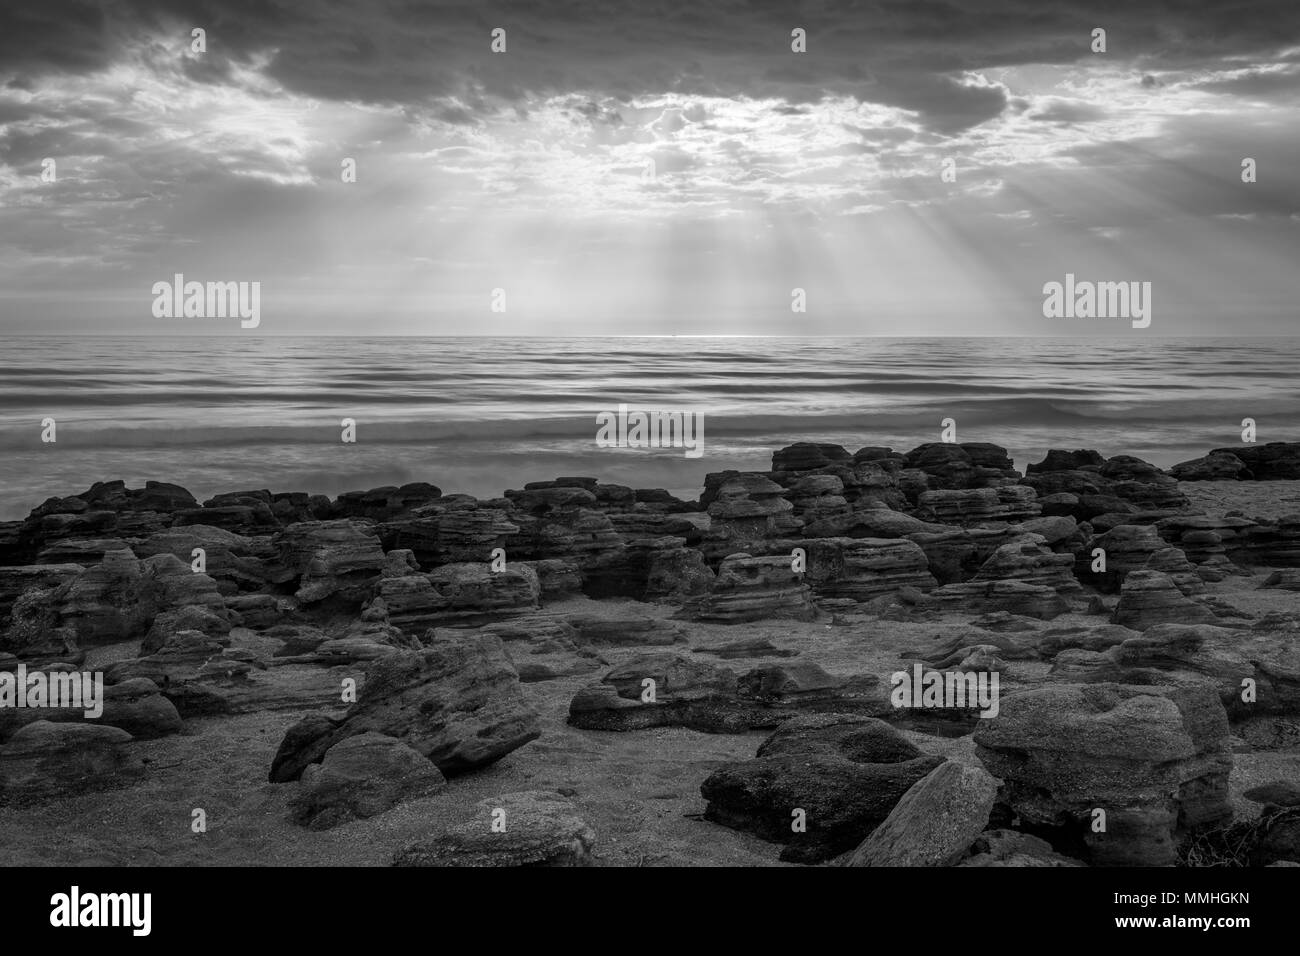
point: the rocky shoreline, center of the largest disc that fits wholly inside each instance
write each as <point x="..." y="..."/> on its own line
<point x="580" y="672"/>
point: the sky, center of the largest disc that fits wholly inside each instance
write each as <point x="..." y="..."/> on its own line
<point x="657" y="168"/>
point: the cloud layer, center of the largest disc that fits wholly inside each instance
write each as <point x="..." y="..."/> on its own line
<point x="672" y="168"/>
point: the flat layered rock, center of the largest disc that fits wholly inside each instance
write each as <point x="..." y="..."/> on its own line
<point x="715" y="699"/>
<point x="1015" y="597"/>
<point x="755" y="588"/>
<point x="974" y="505"/>
<point x="1149" y="598"/>
<point x="866" y="568"/>
<point x="459" y="592"/>
<point x="530" y="828"/>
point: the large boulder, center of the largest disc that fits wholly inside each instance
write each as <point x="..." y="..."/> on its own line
<point x="458" y="703"/>
<point x="1156" y="760"/>
<point x="819" y="785"/>
<point x="46" y="760"/>
<point x="361" y="777"/>
<point x="935" y="822"/>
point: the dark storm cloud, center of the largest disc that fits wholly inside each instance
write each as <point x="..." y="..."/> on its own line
<point x="905" y="53"/>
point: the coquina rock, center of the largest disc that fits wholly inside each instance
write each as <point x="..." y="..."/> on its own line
<point x="974" y="505"/>
<point x="935" y="822"/>
<point x="1127" y="548"/>
<point x="1058" y="459"/>
<point x="135" y="706"/>
<point x="464" y="592"/>
<point x="46" y="760"/>
<point x="1182" y="572"/>
<point x="1028" y="559"/>
<point x="82" y="551"/>
<point x="1151" y="597"/>
<point x="14" y="581"/>
<point x="1118" y="485"/>
<point x="556" y="523"/>
<point x="530" y="828"/>
<point x="116" y="600"/>
<point x="332" y="559"/>
<point x="456" y="529"/>
<point x="668" y="690"/>
<point x="956" y="554"/>
<point x="106" y="510"/>
<point x="236" y="562"/>
<point x="458" y="703"/>
<point x="1287" y="579"/>
<point x="865" y="568"/>
<point x="560" y="577"/>
<point x="837" y="775"/>
<point x="1097" y="637"/>
<point x="383" y="504"/>
<point x="745" y="510"/>
<point x="1274" y="461"/>
<point x="1205" y="539"/>
<point x="1155" y="759"/>
<point x="362" y="777"/>
<point x="1000" y="848"/>
<point x="243" y="512"/>
<point x="963" y="465"/>
<point x="1271" y="543"/>
<point x="754" y="588"/>
<point x="817" y="496"/>
<point x="1199" y="655"/>
<point x="877" y="522"/>
<point x="1015" y="597"/>
<point x="1216" y="466"/>
<point x="807" y="456"/>
<point x="541" y="648"/>
<point x="675" y="575"/>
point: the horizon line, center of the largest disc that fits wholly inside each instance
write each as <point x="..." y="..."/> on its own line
<point x="643" y="335"/>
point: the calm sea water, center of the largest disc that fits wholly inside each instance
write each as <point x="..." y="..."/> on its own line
<point x="482" y="415"/>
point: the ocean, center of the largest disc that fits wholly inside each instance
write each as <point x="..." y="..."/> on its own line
<point x="481" y="415"/>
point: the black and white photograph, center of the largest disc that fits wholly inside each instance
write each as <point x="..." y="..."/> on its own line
<point x="714" y="434"/>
